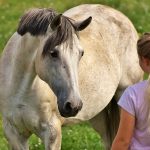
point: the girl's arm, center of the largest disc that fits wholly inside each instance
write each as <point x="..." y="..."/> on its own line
<point x="125" y="131"/>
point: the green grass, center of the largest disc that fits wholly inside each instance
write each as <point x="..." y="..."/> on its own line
<point x="81" y="136"/>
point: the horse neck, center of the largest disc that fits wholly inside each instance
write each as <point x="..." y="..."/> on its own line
<point x="23" y="70"/>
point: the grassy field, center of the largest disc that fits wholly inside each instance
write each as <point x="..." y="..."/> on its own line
<point x="82" y="136"/>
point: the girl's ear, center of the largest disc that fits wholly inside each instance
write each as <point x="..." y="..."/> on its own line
<point x="146" y="61"/>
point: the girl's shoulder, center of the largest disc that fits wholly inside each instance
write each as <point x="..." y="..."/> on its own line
<point x="139" y="86"/>
<point x="136" y="90"/>
<point x="133" y="97"/>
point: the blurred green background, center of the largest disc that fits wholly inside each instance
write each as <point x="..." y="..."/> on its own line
<point x="81" y="136"/>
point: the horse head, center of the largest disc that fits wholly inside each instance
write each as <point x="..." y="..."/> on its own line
<point x="58" y="54"/>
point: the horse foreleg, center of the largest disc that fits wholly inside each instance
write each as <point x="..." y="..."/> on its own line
<point x="16" y="141"/>
<point x="51" y="134"/>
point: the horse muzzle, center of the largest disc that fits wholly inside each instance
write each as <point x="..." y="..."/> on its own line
<point x="70" y="108"/>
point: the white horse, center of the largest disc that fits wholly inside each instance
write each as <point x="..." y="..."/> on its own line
<point x="44" y="54"/>
<point x="40" y="63"/>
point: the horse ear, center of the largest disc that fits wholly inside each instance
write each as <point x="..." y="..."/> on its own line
<point x="56" y="22"/>
<point x="83" y="24"/>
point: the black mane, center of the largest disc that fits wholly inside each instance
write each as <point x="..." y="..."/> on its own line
<point x="36" y="22"/>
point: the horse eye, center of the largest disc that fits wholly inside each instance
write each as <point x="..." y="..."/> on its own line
<point x="54" y="54"/>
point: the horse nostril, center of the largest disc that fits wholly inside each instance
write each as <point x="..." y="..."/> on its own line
<point x="71" y="109"/>
<point x="68" y="107"/>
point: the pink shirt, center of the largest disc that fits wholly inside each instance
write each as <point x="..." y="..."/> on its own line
<point x="133" y="101"/>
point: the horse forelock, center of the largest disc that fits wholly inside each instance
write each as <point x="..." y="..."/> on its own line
<point x="64" y="33"/>
<point x="36" y="21"/>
